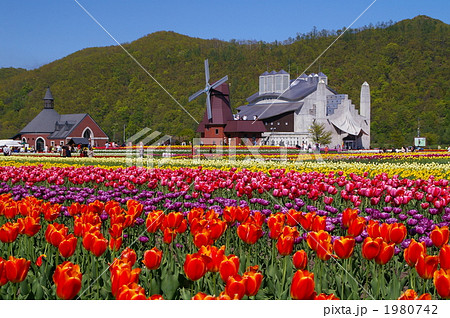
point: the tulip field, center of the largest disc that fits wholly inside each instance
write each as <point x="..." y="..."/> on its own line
<point x="260" y="230"/>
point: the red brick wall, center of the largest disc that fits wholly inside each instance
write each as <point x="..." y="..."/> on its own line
<point x="31" y="139"/>
<point x="211" y="132"/>
<point x="88" y="122"/>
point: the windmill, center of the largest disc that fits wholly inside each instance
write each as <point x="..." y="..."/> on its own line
<point x="207" y="90"/>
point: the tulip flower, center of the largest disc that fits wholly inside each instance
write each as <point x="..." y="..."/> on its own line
<point x="356" y="226"/>
<point x="9" y="232"/>
<point x="29" y="226"/>
<point x="215" y="256"/>
<point x="373" y="229"/>
<point x="252" y="279"/>
<point x="203" y="296"/>
<point x="393" y="233"/>
<point x="194" y="266"/>
<point x="67" y="278"/>
<point x="152" y="258"/>
<point x="285" y="242"/>
<point x="155" y="297"/>
<point x="344" y="246"/>
<point x="439" y="236"/>
<point x="426" y="266"/>
<point x="122" y="274"/>
<point x="235" y="287"/>
<point x="16" y="269"/>
<point x="411" y="294"/>
<point x="3" y="277"/>
<point x="128" y="255"/>
<point x="300" y="259"/>
<point x="131" y="292"/>
<point x="249" y="233"/>
<point x="55" y="233"/>
<point x="314" y="239"/>
<point x="39" y="260"/>
<point x="413" y="251"/>
<point x="228" y="267"/>
<point x="68" y="246"/>
<point x="444" y="257"/>
<point x="348" y="216"/>
<point x="385" y="254"/>
<point x="302" y="286"/>
<point x="323" y="296"/>
<point x="441" y="280"/>
<point x="154" y="221"/>
<point x="371" y="247"/>
<point x="115" y="243"/>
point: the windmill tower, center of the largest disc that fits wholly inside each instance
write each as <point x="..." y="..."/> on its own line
<point x="218" y="110"/>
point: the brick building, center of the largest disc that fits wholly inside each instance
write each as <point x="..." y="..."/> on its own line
<point x="51" y="129"/>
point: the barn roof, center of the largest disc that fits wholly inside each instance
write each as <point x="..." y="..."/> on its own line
<point x="268" y="110"/>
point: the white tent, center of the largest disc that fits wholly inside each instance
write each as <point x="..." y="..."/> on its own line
<point x="10" y="143"/>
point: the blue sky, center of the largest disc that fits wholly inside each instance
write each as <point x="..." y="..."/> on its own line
<point x="33" y="33"/>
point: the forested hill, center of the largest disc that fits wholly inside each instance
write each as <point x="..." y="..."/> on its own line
<point x="406" y="64"/>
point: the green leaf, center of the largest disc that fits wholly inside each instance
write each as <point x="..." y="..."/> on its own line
<point x="169" y="286"/>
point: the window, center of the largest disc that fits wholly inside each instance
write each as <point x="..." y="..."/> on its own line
<point x="61" y="143"/>
<point x="278" y="123"/>
<point x="217" y="131"/>
<point x="286" y="123"/>
<point x="52" y="143"/>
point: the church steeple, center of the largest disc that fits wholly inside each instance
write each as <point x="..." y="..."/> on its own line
<point x="48" y="99"/>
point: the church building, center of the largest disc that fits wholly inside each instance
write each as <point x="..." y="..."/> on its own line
<point x="288" y="108"/>
<point x="50" y="129"/>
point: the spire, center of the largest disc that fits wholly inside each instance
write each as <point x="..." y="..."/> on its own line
<point x="48" y="99"/>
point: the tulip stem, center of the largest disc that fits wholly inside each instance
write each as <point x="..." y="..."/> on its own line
<point x="284" y="275"/>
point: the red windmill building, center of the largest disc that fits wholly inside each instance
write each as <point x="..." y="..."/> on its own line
<point x="219" y="126"/>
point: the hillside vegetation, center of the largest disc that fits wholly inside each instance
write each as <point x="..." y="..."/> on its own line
<point x="406" y="65"/>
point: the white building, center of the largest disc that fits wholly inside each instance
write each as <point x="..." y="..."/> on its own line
<point x="288" y="108"/>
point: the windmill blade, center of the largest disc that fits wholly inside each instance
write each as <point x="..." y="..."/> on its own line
<point x="219" y="82"/>
<point x="194" y="96"/>
<point x="207" y="71"/>
<point x="208" y="106"/>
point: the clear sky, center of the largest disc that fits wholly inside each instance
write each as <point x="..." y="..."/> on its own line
<point x="33" y="33"/>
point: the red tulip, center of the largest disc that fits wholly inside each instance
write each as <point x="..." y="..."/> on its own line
<point x="16" y="269"/>
<point x="439" y="236"/>
<point x="122" y="275"/>
<point x="252" y="279"/>
<point x="385" y="254"/>
<point x="444" y="257"/>
<point x="229" y="267"/>
<point x="152" y="258"/>
<point x="29" y="226"/>
<point x="55" y="233"/>
<point x="194" y="266"/>
<point x="131" y="292"/>
<point x="441" y="280"/>
<point x="249" y="233"/>
<point x="426" y="266"/>
<point x="214" y="255"/>
<point x="323" y="296"/>
<point x="413" y="251"/>
<point x="3" y="277"/>
<point x="9" y="232"/>
<point x="67" y="278"/>
<point x="411" y="294"/>
<point x="300" y="259"/>
<point x="371" y="247"/>
<point x="344" y="246"/>
<point x="356" y="226"/>
<point x="348" y="216"/>
<point x="128" y="255"/>
<point x="235" y="287"/>
<point x="302" y="286"/>
<point x="68" y="246"/>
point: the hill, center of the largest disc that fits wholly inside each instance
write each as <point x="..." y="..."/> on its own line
<point x="406" y="65"/>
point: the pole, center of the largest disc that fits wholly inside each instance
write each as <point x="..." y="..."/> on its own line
<point x="124" y="139"/>
<point x="418" y="127"/>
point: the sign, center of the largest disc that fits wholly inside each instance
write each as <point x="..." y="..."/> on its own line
<point x="420" y="141"/>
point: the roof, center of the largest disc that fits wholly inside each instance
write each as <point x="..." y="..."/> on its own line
<point x="245" y="126"/>
<point x="321" y="74"/>
<point x="265" y="73"/>
<point x="346" y="122"/>
<point x="48" y="94"/>
<point x="282" y="72"/>
<point x="268" y="110"/>
<point x="44" y="122"/>
<point x="66" y="123"/>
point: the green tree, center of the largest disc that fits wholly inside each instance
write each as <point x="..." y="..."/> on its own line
<point x="318" y="134"/>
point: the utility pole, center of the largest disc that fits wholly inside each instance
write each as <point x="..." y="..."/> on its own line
<point x="418" y="127"/>
<point x="124" y="138"/>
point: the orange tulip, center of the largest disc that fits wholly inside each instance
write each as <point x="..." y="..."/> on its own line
<point x="68" y="246"/>
<point x="294" y="218"/>
<point x="348" y="216"/>
<point x="16" y="269"/>
<point x="324" y="250"/>
<point x="373" y="229"/>
<point x="152" y="258"/>
<point x="441" y="281"/>
<point x="229" y="267"/>
<point x="444" y="257"/>
<point x="285" y="242"/>
<point x="55" y="233"/>
<point x="131" y="292"/>
<point x="39" y="260"/>
<point x="371" y="247"/>
<point x="154" y="221"/>
<point x="356" y="226"/>
<point x="235" y="287"/>
<point x="156" y="297"/>
<point x="302" y="286"/>
<point x="385" y="254"/>
<point x="276" y="224"/>
<point x="116" y="230"/>
<point x="122" y="274"/>
<point x="319" y="223"/>
<point x="203" y="296"/>
<point x="29" y="226"/>
<point x="249" y="233"/>
<point x="129" y="256"/>
<point x="300" y="259"/>
<point x="344" y="246"/>
<point x="169" y="235"/>
<point x="202" y="238"/>
<point x="242" y="214"/>
<point x="393" y="233"/>
<point x="3" y="278"/>
<point x="216" y="228"/>
<point x="173" y="220"/>
<point x="323" y="296"/>
<point x="411" y="294"/>
<point x="439" y="236"/>
<point x="214" y="255"/>
<point x="194" y="266"/>
<point x="9" y="232"/>
<point x="413" y="251"/>
<point x="95" y="243"/>
<point x="426" y="266"/>
<point x="67" y="278"/>
<point x="115" y="243"/>
<point x="252" y="280"/>
<point x="314" y="239"/>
